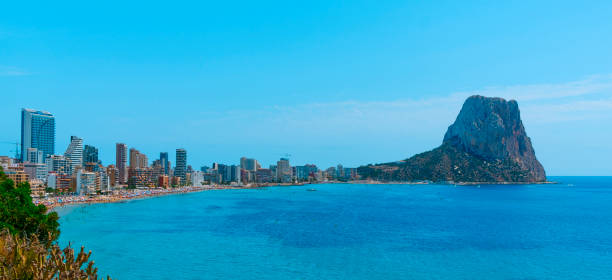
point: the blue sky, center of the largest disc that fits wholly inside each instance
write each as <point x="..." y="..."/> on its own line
<point x="351" y="82"/>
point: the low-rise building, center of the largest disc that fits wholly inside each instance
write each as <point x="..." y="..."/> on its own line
<point x="197" y="177"/>
<point x="52" y="180"/>
<point x="37" y="188"/>
<point x="176" y="181"/>
<point x="85" y="182"/>
<point x="17" y="174"/>
<point x="306" y="172"/>
<point x="163" y="181"/>
<point x="36" y="170"/>
<point x="141" y="177"/>
<point x="64" y="184"/>
<point x="264" y="175"/>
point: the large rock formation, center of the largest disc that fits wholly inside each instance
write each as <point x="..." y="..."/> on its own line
<point x="487" y="143"/>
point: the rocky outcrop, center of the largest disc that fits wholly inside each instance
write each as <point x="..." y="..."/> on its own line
<point x="487" y="143"/>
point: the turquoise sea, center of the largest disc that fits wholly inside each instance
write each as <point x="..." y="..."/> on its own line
<point x="350" y="231"/>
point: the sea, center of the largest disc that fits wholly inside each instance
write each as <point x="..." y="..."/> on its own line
<point x="354" y="231"/>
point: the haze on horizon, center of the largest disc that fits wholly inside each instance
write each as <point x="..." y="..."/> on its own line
<point x="327" y="82"/>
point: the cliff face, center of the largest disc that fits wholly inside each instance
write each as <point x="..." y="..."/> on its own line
<point x="491" y="128"/>
<point x="487" y="143"/>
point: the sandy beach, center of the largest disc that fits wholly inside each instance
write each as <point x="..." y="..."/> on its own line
<point x="120" y="196"/>
<point x="125" y="194"/>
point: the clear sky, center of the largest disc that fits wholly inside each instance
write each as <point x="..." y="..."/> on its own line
<point x="351" y="82"/>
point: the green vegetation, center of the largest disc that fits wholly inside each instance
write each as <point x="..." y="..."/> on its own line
<point x="446" y="164"/>
<point x="22" y="258"/>
<point x="21" y="216"/>
<point x="28" y="247"/>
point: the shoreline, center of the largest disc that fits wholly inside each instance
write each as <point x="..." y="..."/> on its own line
<point x="125" y="195"/>
<point x="121" y="196"/>
<point x="446" y="183"/>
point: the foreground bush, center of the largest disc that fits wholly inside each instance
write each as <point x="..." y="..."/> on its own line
<point x="21" y="216"/>
<point x="28" y="234"/>
<point x="30" y="259"/>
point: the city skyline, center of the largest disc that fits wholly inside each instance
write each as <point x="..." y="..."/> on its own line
<point x="317" y="80"/>
<point x="77" y="151"/>
<point x="79" y="170"/>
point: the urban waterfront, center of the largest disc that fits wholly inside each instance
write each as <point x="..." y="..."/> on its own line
<point x="355" y="231"/>
<point x="79" y="175"/>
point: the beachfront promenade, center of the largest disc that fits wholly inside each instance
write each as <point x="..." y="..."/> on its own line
<point x="125" y="194"/>
<point x="119" y="196"/>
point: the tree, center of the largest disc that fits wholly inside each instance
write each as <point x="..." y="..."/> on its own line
<point x="27" y="240"/>
<point x="21" y="216"/>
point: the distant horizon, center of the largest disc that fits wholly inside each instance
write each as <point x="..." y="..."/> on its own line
<point x="329" y="83"/>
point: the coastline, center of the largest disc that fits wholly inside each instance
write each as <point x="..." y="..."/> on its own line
<point x="371" y="182"/>
<point x="120" y="196"/>
<point x="126" y="195"/>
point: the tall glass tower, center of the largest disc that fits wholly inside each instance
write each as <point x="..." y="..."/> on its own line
<point x="181" y="164"/>
<point x="121" y="162"/>
<point x="163" y="159"/>
<point x="90" y="154"/>
<point x="74" y="153"/>
<point x="37" y="131"/>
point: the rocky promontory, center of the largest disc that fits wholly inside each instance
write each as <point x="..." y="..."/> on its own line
<point x="486" y="143"/>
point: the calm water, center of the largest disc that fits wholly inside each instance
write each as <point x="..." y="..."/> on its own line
<point x="355" y="232"/>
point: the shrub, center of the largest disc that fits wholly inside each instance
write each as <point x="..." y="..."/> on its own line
<point x="21" y="216"/>
<point x="22" y="258"/>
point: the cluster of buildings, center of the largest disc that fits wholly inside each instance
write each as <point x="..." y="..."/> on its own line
<point x="250" y="171"/>
<point x="79" y="171"/>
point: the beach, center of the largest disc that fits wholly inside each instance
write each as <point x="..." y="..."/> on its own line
<point x="129" y="194"/>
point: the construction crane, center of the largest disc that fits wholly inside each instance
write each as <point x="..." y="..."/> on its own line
<point x="16" y="148"/>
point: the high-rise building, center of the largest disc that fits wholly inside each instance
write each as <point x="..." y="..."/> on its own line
<point x="340" y="171"/>
<point x="181" y="164"/>
<point x="224" y="172"/>
<point x="284" y="172"/>
<point x="133" y="158"/>
<point x="138" y="159"/>
<point x="37" y="131"/>
<point x="103" y="183"/>
<point x="235" y="173"/>
<point x="248" y="164"/>
<point x="121" y="162"/>
<point x="58" y="164"/>
<point x="74" y="153"/>
<point x="90" y="154"/>
<point x="163" y="159"/>
<point x="113" y="175"/>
